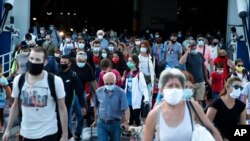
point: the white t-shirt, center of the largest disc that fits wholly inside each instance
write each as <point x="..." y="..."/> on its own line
<point x="38" y="107"/>
<point x="246" y="92"/>
<point x="144" y="65"/>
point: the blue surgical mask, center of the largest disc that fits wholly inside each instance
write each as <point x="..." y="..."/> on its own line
<point x="111" y="48"/>
<point x="200" y="43"/>
<point x="81" y="46"/>
<point x="109" y="87"/>
<point x="104" y="55"/>
<point x="187" y="93"/>
<point x="80" y="65"/>
<point x="96" y="49"/>
<point x="193" y="51"/>
<point x="143" y="49"/>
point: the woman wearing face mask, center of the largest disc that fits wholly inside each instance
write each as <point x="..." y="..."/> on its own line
<point x="104" y="53"/>
<point x="240" y="71"/>
<point x="119" y="63"/>
<point x="80" y="45"/>
<point x="227" y="111"/>
<point x="22" y="58"/>
<point x="135" y="89"/>
<point x="171" y="119"/>
<point x="147" y="67"/>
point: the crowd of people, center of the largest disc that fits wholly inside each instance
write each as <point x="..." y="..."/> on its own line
<point x="108" y="81"/>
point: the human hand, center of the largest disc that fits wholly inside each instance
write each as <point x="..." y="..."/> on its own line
<point x="64" y="138"/>
<point x="93" y="124"/>
<point x="84" y="111"/>
<point x="6" y="136"/>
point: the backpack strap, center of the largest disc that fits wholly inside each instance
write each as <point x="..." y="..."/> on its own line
<point x="51" y="82"/>
<point x="20" y="86"/>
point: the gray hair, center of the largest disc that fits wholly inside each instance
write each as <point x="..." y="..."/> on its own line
<point x="81" y="55"/>
<point x="170" y="73"/>
<point x="109" y="74"/>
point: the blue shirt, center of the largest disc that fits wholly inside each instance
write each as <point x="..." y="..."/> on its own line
<point x="173" y="52"/>
<point x="129" y="90"/>
<point x="110" y="106"/>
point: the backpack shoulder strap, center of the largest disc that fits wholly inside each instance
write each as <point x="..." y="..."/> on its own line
<point x="20" y="86"/>
<point x="51" y="82"/>
<point x="20" y="83"/>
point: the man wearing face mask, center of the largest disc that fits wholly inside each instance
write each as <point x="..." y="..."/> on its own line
<point x="136" y="49"/>
<point x="67" y="46"/>
<point x="51" y="48"/>
<point x="72" y="84"/>
<point x="55" y="36"/>
<point x="173" y="52"/>
<point x="195" y="65"/>
<point x="41" y="36"/>
<point x="215" y="47"/>
<point x="111" y="109"/>
<point x="87" y="78"/>
<point x="100" y="37"/>
<point x="206" y="52"/>
<point x="39" y="122"/>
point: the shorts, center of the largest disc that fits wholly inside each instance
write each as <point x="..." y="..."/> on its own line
<point x="199" y="91"/>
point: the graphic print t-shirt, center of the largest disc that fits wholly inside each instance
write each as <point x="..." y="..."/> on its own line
<point x="38" y="107"/>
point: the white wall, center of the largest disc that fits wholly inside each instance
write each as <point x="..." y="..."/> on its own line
<point x="21" y="13"/>
<point x="233" y="19"/>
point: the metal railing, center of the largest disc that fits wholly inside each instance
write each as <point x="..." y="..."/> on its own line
<point x="6" y="60"/>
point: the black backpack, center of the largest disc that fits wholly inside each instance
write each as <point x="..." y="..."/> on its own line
<point x="51" y="79"/>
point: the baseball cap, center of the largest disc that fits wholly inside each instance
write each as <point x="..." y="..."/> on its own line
<point x="24" y="45"/>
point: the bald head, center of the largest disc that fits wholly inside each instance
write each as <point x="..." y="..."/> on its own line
<point x="109" y="77"/>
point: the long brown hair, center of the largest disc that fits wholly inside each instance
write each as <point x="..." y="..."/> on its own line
<point x="229" y="82"/>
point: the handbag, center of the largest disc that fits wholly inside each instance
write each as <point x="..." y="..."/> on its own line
<point x="200" y="132"/>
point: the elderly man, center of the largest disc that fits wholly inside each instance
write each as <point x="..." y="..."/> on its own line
<point x="111" y="106"/>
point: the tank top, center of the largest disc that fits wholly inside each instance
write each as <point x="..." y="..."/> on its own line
<point x="182" y="132"/>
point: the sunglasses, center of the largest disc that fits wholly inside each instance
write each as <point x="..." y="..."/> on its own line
<point x="81" y="42"/>
<point x="237" y="87"/>
<point x="240" y="65"/>
<point x="108" y="83"/>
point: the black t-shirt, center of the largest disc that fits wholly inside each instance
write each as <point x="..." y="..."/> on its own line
<point x="85" y="74"/>
<point x="226" y="119"/>
<point x="194" y="66"/>
<point x="71" y="83"/>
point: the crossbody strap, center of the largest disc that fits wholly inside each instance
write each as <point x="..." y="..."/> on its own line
<point x="158" y="123"/>
<point x="190" y="113"/>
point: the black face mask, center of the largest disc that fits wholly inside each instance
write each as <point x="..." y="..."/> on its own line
<point x="35" y="69"/>
<point x="214" y="44"/>
<point x="64" y="67"/>
<point x="173" y="42"/>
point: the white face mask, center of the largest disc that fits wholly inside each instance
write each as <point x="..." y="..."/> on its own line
<point x="173" y="96"/>
<point x="137" y="43"/>
<point x="57" y="55"/>
<point x="235" y="93"/>
<point x="157" y="36"/>
<point x="100" y="37"/>
<point x="219" y="71"/>
<point x="24" y="53"/>
<point x="67" y="40"/>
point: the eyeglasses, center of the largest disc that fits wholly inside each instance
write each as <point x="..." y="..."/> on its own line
<point x="108" y="83"/>
<point x="240" y="65"/>
<point x="237" y="87"/>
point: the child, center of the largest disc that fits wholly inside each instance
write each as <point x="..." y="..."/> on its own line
<point x="217" y="79"/>
<point x="4" y="92"/>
